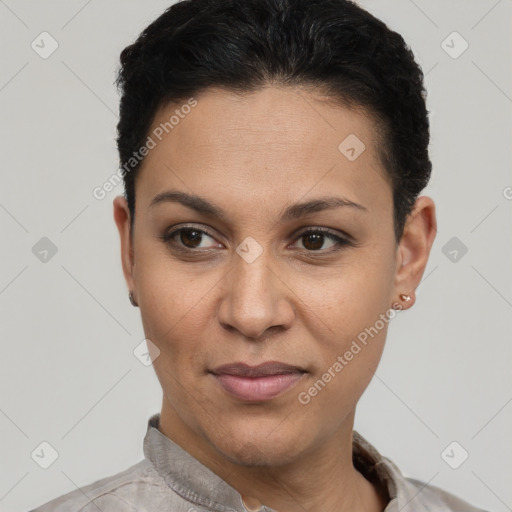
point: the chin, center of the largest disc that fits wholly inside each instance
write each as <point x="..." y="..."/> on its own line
<point x="253" y="455"/>
<point x="248" y="446"/>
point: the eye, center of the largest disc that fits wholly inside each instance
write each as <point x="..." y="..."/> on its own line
<point x="189" y="238"/>
<point x="314" y="239"/>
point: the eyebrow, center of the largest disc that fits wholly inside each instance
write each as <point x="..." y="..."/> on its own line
<point x="295" y="211"/>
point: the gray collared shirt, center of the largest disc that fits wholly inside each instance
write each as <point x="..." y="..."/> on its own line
<point x="169" y="479"/>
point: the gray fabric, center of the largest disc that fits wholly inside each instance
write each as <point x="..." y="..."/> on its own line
<point x="169" y="479"/>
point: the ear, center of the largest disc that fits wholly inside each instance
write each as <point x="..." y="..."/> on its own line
<point x="122" y="218"/>
<point x="414" y="248"/>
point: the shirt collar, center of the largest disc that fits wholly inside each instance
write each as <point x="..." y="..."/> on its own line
<point x="186" y="475"/>
<point x="199" y="485"/>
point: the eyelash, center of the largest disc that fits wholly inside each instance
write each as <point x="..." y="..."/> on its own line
<point x="341" y="243"/>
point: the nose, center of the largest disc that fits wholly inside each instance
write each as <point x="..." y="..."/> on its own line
<point x="256" y="299"/>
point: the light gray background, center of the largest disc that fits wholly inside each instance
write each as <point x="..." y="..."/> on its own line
<point x="68" y="373"/>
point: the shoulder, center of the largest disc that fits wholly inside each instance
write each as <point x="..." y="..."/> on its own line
<point x="407" y="494"/>
<point x="122" y="492"/>
<point x="421" y="496"/>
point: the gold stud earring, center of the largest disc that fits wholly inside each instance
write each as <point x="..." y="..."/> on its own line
<point x="132" y="300"/>
<point x="405" y="297"/>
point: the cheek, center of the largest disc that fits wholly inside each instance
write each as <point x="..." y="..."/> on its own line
<point x="169" y="290"/>
<point x="347" y="369"/>
<point x="170" y="301"/>
<point x="354" y="296"/>
<point x="355" y="306"/>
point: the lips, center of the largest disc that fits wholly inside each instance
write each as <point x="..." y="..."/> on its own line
<point x="262" y="370"/>
<point x="257" y="383"/>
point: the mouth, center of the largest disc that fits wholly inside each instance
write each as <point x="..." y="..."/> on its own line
<point x="257" y="383"/>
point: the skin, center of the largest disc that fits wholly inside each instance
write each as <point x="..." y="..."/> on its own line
<point x="300" y="302"/>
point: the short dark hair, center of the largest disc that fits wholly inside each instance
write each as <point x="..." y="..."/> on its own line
<point x="244" y="45"/>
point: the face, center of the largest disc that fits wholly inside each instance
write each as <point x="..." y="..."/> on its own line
<point x="254" y="278"/>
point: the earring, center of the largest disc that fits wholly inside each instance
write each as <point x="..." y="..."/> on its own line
<point x="132" y="300"/>
<point x="404" y="297"/>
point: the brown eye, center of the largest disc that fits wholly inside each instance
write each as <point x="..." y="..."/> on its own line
<point x="190" y="237"/>
<point x="187" y="238"/>
<point x="314" y="240"/>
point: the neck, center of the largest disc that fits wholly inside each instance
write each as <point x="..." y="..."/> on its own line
<point x="322" y="478"/>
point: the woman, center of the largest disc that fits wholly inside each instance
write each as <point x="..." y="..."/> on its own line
<point x="273" y="153"/>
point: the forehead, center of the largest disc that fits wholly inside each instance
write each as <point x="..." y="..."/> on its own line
<point x="278" y="140"/>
